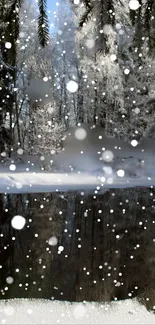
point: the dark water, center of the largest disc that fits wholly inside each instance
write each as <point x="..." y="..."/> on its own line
<point x="107" y="243"/>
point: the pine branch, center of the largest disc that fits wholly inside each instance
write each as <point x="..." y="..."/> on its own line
<point x="147" y="21"/>
<point x="87" y="3"/>
<point x="43" y="28"/>
<point x="85" y="16"/>
<point x="143" y="23"/>
<point x="13" y="13"/>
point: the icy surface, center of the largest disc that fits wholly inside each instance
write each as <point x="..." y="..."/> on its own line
<point x="24" y="311"/>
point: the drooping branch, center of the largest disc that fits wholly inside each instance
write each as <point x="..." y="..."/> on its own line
<point x="43" y="28"/>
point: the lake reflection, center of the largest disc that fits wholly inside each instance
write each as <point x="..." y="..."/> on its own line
<point x="105" y="249"/>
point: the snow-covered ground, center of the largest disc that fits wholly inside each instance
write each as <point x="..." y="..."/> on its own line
<point x="88" y="151"/>
<point x="25" y="311"/>
<point x="28" y="176"/>
<point x="34" y="182"/>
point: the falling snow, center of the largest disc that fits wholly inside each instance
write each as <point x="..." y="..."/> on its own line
<point x="9" y="280"/>
<point x="80" y="134"/>
<point x="120" y="173"/>
<point x="134" y="143"/>
<point x="12" y="167"/>
<point x="18" y="222"/>
<point x="8" y="45"/>
<point x="90" y="43"/>
<point x="53" y="241"/>
<point x="107" y="155"/>
<point x="77" y="157"/>
<point x="126" y="71"/>
<point x="72" y="86"/>
<point x="134" y="4"/>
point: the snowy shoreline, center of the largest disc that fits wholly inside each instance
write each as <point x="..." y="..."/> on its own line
<point x="39" y="311"/>
<point x="28" y="182"/>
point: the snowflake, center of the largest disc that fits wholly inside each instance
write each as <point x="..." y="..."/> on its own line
<point x="113" y="57"/>
<point x="45" y="79"/>
<point x="72" y="86"/>
<point x="90" y="43"/>
<point x="12" y="167"/>
<point x="134" y="143"/>
<point x="18" y="222"/>
<point x="53" y="241"/>
<point x="120" y="173"/>
<point x="8" y="45"/>
<point x="20" y="151"/>
<point x="134" y="4"/>
<point x="9" y="280"/>
<point x="107" y="156"/>
<point x="126" y="71"/>
<point x="80" y="134"/>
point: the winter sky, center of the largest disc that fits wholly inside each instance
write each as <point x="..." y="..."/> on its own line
<point x="51" y="4"/>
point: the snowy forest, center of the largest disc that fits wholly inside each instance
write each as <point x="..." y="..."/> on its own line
<point x="96" y="67"/>
<point x="77" y="157"/>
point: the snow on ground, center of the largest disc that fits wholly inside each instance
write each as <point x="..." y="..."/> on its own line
<point x="25" y="311"/>
<point x="28" y="182"/>
<point x="44" y="182"/>
<point x="87" y="150"/>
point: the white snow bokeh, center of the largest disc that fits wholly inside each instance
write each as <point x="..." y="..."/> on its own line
<point x="137" y="110"/>
<point x="3" y="154"/>
<point x="90" y="43"/>
<point x="120" y="173"/>
<point x="108" y="170"/>
<point x="53" y="152"/>
<point x="45" y="79"/>
<point x="60" y="248"/>
<point x="21" y="34"/>
<point x="113" y="57"/>
<point x="53" y="241"/>
<point x="12" y="167"/>
<point x="110" y="180"/>
<point x="8" y="45"/>
<point x="18" y="222"/>
<point x="42" y="158"/>
<point x="20" y="151"/>
<point x="59" y="32"/>
<point x="76" y="2"/>
<point x="18" y="185"/>
<point x="9" y="280"/>
<point x="107" y="155"/>
<point x="72" y="86"/>
<point x="80" y="134"/>
<point x="126" y="71"/>
<point x="134" y="143"/>
<point x="106" y="29"/>
<point x="118" y="26"/>
<point x="134" y="4"/>
<point x="103" y="179"/>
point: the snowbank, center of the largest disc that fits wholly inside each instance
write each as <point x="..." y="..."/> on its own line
<point x="28" y="182"/>
<point x="25" y="311"/>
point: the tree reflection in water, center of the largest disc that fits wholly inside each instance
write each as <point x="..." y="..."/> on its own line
<point x="107" y="246"/>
